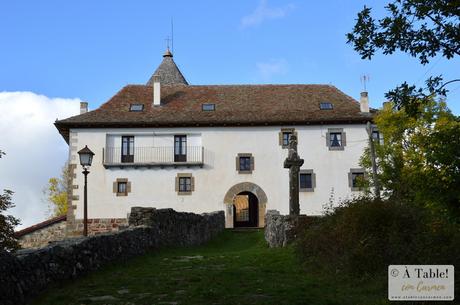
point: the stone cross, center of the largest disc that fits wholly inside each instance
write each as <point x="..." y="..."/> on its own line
<point x="293" y="162"/>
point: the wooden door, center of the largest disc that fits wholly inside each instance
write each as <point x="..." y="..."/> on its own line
<point x="180" y="148"/>
<point x="127" y="149"/>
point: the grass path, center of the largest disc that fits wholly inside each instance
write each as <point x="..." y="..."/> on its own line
<point x="235" y="268"/>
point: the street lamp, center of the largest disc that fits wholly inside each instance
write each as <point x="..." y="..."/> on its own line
<point x="86" y="157"/>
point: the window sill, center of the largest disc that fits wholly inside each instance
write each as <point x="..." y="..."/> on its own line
<point x="244" y="172"/>
<point x="336" y="148"/>
<point x="307" y="190"/>
<point x="184" y="193"/>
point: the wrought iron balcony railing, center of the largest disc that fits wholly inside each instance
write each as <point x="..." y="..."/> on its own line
<point x="153" y="156"/>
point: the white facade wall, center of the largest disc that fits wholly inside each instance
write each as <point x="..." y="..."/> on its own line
<point x="155" y="186"/>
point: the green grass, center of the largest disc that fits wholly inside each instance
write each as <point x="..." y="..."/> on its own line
<point x="235" y="268"/>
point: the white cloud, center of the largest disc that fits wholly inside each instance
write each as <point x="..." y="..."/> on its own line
<point x="35" y="151"/>
<point x="264" y="12"/>
<point x="272" y="68"/>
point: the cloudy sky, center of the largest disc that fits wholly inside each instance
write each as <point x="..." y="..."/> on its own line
<point x="56" y="53"/>
<point x="34" y="150"/>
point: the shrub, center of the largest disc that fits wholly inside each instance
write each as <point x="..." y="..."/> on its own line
<point x="363" y="236"/>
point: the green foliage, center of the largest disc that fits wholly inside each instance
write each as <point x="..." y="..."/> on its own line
<point x="419" y="160"/>
<point x="421" y="28"/>
<point x="7" y="222"/>
<point x="363" y="236"/>
<point x="56" y="193"/>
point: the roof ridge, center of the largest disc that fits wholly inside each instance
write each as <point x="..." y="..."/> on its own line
<point x="232" y="85"/>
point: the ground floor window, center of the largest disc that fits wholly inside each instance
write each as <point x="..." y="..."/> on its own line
<point x="307" y="180"/>
<point x="185" y="183"/>
<point x="356" y="179"/>
<point x="245" y="163"/>
<point x="121" y="187"/>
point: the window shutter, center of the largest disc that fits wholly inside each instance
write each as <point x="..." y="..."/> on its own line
<point x="252" y="163"/>
<point x="177" y="184"/>
<point x="350" y="179"/>
<point x="328" y="139"/>
<point x="237" y="163"/>
<point x="128" y="187"/>
<point x="344" y="139"/>
<point x="280" y="138"/>
<point x="313" y="180"/>
<point x="115" y="187"/>
<point x="192" y="182"/>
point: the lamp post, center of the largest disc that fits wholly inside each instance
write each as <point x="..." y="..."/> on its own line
<point x="86" y="157"/>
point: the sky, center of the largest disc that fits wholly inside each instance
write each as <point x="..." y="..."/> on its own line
<point x="55" y="54"/>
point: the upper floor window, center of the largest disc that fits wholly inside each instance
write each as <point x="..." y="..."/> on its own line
<point x="285" y="136"/>
<point x="377" y="136"/>
<point x="244" y="163"/>
<point x="136" y="107"/>
<point x="307" y="180"/>
<point x="325" y="106"/>
<point x="335" y="139"/>
<point x="208" y="107"/>
<point x="127" y="149"/>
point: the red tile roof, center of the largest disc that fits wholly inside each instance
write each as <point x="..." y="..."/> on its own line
<point x="40" y="225"/>
<point x="235" y="105"/>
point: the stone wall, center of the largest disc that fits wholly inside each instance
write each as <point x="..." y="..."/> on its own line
<point x="43" y="236"/>
<point x="281" y="230"/>
<point x="28" y="272"/>
<point x="98" y="226"/>
<point x="50" y="230"/>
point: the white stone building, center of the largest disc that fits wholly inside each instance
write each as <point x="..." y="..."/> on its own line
<point x="168" y="144"/>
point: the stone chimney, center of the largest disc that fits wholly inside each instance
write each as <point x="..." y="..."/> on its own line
<point x="83" y="107"/>
<point x="364" y="102"/>
<point x="156" y="90"/>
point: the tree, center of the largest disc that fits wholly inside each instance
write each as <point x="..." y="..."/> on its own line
<point x="421" y="28"/>
<point x="419" y="160"/>
<point x="56" y="193"/>
<point x="7" y="222"/>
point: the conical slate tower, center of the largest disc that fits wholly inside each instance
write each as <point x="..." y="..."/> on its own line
<point x="168" y="71"/>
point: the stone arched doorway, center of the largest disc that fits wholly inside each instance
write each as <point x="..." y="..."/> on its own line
<point x="242" y="189"/>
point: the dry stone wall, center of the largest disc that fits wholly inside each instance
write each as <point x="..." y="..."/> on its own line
<point x="28" y="272"/>
<point x="281" y="230"/>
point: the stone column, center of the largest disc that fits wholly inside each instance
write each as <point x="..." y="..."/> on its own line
<point x="293" y="162"/>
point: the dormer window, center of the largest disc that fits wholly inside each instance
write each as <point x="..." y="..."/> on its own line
<point x="208" y="107"/>
<point x="136" y="107"/>
<point x="325" y="106"/>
